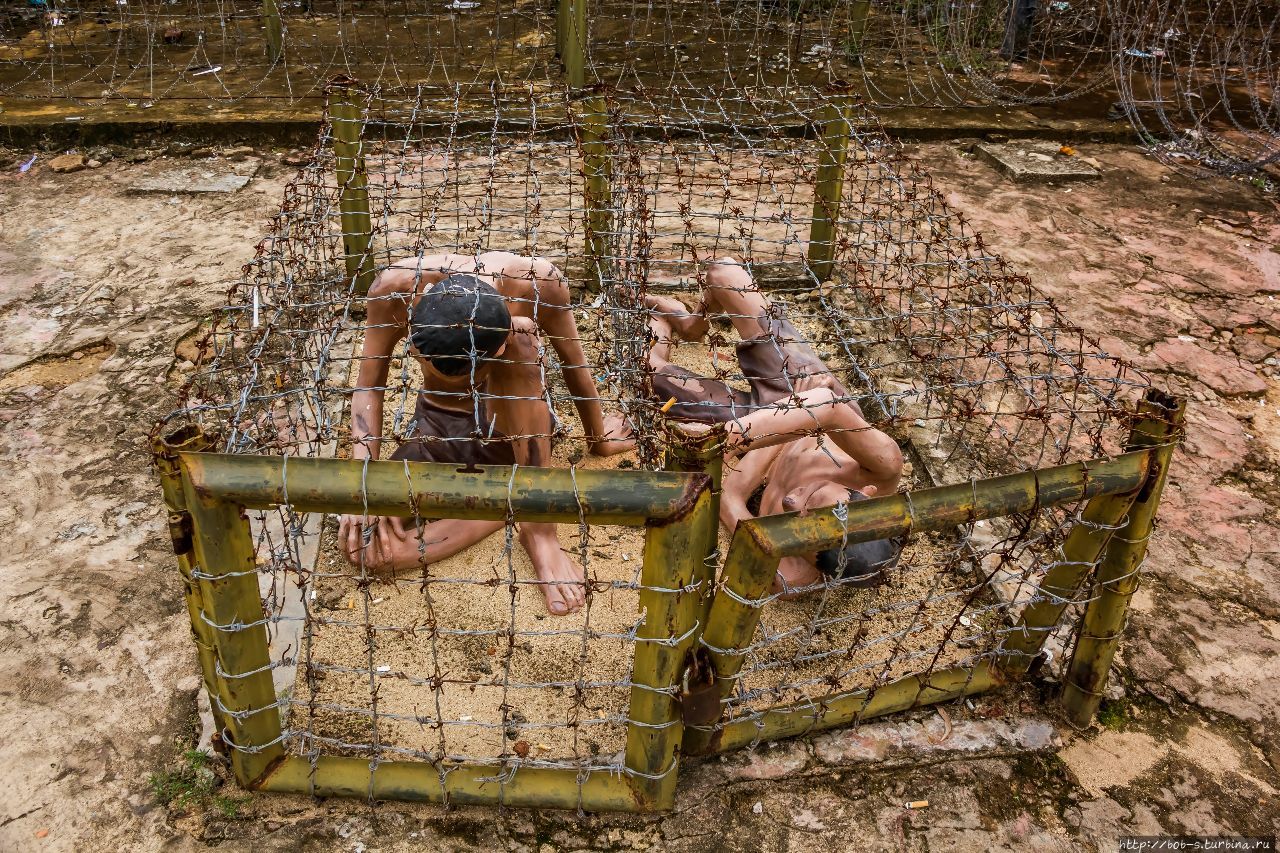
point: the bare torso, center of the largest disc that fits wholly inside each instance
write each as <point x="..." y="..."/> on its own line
<point x="802" y="462"/>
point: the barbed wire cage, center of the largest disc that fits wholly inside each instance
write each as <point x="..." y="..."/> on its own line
<point x="1035" y="460"/>
<point x="1196" y="79"/>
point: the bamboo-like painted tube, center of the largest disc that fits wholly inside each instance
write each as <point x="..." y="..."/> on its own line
<point x="571" y="40"/>
<point x="673" y="580"/>
<point x="858" y="14"/>
<point x="829" y="712"/>
<point x="346" y="117"/>
<point x="233" y="607"/>
<point x="828" y="188"/>
<point x="944" y="507"/>
<point x="436" y="490"/>
<point x="274" y="26"/>
<point x="597" y="194"/>
<point x="1086" y="543"/>
<point x="759" y="544"/>
<point x="1118" y="573"/>
<point x="165" y="452"/>
<point x="531" y="787"/>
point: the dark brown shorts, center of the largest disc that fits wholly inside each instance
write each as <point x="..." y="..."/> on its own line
<point x="446" y="435"/>
<point x="770" y="363"/>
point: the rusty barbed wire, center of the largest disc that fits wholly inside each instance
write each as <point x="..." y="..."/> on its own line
<point x="958" y="358"/>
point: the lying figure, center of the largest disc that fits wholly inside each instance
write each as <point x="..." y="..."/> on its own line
<point x="795" y="433"/>
<point x="475" y="325"/>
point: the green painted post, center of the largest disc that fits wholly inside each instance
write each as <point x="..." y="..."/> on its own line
<point x="347" y="120"/>
<point x="274" y="26"/>
<point x="597" y="173"/>
<point x="571" y="40"/>
<point x="834" y="134"/>
<point x="1118" y="575"/>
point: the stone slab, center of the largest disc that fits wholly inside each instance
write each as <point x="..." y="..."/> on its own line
<point x="203" y="177"/>
<point x="921" y="743"/>
<point x="1032" y="161"/>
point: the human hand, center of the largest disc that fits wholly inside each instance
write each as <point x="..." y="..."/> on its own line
<point x="810" y="381"/>
<point x="371" y="541"/>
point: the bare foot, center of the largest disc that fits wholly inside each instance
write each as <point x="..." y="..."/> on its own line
<point x="687" y="325"/>
<point x="560" y="578"/>
<point x="795" y="577"/>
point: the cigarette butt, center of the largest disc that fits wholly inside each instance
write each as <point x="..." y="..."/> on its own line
<point x="666" y="407"/>
<point x="916" y="804"/>
<point x="543" y="747"/>
<point x="378" y="600"/>
<point x="351" y="604"/>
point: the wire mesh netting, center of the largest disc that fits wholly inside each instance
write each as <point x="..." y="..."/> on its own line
<point x="631" y="269"/>
<point x="1198" y="77"/>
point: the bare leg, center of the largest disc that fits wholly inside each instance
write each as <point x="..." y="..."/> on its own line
<point x="560" y="577"/>
<point x="523" y="413"/>
<point x="674" y="317"/>
<point x="731" y="291"/>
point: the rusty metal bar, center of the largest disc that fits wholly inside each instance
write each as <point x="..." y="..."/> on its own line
<point x="435" y="490"/>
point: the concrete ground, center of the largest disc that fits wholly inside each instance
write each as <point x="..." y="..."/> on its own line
<point x="98" y="676"/>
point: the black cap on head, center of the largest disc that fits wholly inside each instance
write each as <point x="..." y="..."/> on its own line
<point x="459" y="319"/>
<point x="864" y="564"/>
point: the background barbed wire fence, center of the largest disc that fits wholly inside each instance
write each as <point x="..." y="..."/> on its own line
<point x="1196" y="79"/>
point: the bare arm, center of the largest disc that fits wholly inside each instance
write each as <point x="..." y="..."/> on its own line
<point x="740" y="482"/>
<point x="395" y="550"/>
<point x="555" y="318"/>
<point x="820" y="410"/>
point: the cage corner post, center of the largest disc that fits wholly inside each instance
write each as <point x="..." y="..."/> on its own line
<point x="571" y="40"/>
<point x="346" y="118"/>
<point x="673" y="581"/>
<point x="226" y="572"/>
<point x="273" y="24"/>
<point x="1087" y="544"/>
<point x="749" y="570"/>
<point x="597" y="191"/>
<point x="834" y="133"/>
<point x="1159" y="427"/>
<point x="165" y="450"/>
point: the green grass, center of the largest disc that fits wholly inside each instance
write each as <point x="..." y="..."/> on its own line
<point x="192" y="784"/>
<point x="1112" y="715"/>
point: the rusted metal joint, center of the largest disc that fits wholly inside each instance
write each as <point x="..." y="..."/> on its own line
<point x="699" y="695"/>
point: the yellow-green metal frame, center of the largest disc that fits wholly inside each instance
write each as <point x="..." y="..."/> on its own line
<point x="346" y="117"/>
<point x="273" y="25"/>
<point x="834" y="133"/>
<point x="227" y="616"/>
<point x="1110" y="485"/>
<point x="596" y="189"/>
<point x="1159" y="427"/>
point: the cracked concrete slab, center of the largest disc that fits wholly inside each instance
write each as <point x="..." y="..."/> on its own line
<point x="1035" y="161"/>
<point x="198" y="177"/>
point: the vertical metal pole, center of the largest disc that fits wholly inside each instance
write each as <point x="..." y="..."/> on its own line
<point x="232" y="609"/>
<point x="165" y="452"/>
<point x="571" y="40"/>
<point x="731" y="622"/>
<point x="274" y="26"/>
<point x="347" y="120"/>
<point x="673" y="580"/>
<point x="1102" y="519"/>
<point x="1159" y="427"/>
<point x="828" y="188"/>
<point x="597" y="173"/>
<point x="858" y="27"/>
<point x="703" y="456"/>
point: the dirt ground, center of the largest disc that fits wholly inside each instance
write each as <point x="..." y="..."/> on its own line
<point x="98" y="675"/>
